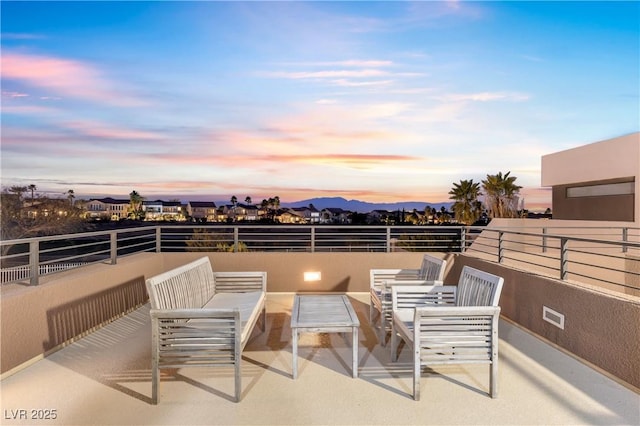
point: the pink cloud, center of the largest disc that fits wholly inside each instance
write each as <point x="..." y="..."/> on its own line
<point x="98" y="130"/>
<point x="64" y="77"/>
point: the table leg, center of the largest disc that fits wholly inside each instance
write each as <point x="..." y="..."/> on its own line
<point x="294" y="343"/>
<point x="355" y="352"/>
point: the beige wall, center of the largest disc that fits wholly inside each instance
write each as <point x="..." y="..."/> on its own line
<point x="600" y="328"/>
<point x="617" y="158"/>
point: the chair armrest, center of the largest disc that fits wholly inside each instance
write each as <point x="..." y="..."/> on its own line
<point x="457" y="311"/>
<point x="377" y="276"/>
<point x="412" y="296"/>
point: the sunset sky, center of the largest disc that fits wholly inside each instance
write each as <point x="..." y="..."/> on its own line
<point x="376" y="101"/>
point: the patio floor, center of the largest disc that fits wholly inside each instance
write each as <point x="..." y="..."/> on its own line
<point x="104" y="378"/>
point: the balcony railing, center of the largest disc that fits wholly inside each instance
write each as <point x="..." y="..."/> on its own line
<point x="599" y="256"/>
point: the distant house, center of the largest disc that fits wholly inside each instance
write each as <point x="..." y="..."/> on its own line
<point x="107" y="208"/>
<point x="310" y="214"/>
<point x="288" y="215"/>
<point x="163" y="210"/>
<point x="380" y="217"/>
<point x="202" y="210"/>
<point x="239" y="212"/>
<point x="335" y="216"/>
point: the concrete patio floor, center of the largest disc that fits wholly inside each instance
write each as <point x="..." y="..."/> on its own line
<point x="104" y="378"/>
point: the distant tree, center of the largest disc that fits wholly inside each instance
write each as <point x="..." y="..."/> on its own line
<point x="548" y="210"/>
<point x="32" y="188"/>
<point x="234" y="200"/>
<point x="247" y="200"/>
<point x="70" y="196"/>
<point x="501" y="195"/>
<point x="466" y="207"/>
<point x="43" y="216"/>
<point x="135" y="205"/>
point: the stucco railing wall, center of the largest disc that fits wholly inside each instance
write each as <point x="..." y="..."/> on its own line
<point x="39" y="319"/>
<point x="601" y="327"/>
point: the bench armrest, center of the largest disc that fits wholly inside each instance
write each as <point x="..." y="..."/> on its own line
<point x="196" y="313"/>
<point x="240" y="282"/>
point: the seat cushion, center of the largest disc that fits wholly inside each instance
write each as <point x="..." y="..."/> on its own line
<point x="247" y="303"/>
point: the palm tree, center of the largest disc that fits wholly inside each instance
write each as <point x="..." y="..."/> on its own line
<point x="70" y="196"/>
<point x="32" y="188"/>
<point x="247" y="200"/>
<point x="501" y="195"/>
<point x="234" y="200"/>
<point x="466" y="207"/>
<point x="135" y="204"/>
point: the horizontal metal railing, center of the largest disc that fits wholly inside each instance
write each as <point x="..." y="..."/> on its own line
<point x="602" y="256"/>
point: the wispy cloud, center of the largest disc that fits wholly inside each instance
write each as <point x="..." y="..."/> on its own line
<point x="22" y="36"/>
<point x="65" y="77"/>
<point x="484" y="97"/>
<point x="104" y="131"/>
<point x="350" y="83"/>
<point x="359" y="63"/>
<point x="326" y="74"/>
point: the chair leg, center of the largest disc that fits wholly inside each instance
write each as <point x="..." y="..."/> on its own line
<point x="493" y="379"/>
<point x="155" y="362"/>
<point x="416" y="372"/>
<point x="238" y="380"/>
<point x="394" y="343"/>
<point x="383" y="329"/>
<point x="155" y="373"/>
<point x="264" y="320"/>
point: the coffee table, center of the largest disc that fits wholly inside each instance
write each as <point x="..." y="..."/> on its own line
<point x="323" y="314"/>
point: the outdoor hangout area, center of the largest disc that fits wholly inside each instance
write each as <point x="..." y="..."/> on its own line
<point x="345" y="338"/>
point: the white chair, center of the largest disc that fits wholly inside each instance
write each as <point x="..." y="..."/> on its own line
<point x="431" y="272"/>
<point x="449" y="324"/>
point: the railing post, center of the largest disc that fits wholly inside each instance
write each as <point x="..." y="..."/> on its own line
<point x="113" y="238"/>
<point x="625" y="238"/>
<point x="564" y="258"/>
<point x="463" y="238"/>
<point x="158" y="239"/>
<point x="500" y="248"/>
<point x="235" y="239"/>
<point x="34" y="262"/>
<point x="388" y="239"/>
<point x="313" y="239"/>
<point x="544" y="240"/>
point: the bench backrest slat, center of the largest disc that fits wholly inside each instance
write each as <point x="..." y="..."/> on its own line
<point x="188" y="286"/>
<point x="478" y="288"/>
<point x="432" y="268"/>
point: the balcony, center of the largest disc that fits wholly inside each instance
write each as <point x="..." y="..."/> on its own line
<point x="67" y="346"/>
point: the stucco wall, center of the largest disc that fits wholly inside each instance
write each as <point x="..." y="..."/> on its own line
<point x="617" y="158"/>
<point x="38" y="319"/>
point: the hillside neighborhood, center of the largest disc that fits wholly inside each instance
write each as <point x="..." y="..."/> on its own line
<point x="110" y="209"/>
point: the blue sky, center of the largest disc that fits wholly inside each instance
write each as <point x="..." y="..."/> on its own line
<point x="378" y="101"/>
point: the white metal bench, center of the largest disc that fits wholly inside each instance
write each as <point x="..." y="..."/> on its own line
<point x="431" y="272"/>
<point x="449" y="324"/>
<point x="203" y="318"/>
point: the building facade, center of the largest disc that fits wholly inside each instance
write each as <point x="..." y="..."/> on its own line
<point x="598" y="181"/>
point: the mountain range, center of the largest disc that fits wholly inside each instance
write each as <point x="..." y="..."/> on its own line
<point x="363" y="206"/>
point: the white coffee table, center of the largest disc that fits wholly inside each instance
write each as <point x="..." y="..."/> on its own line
<point x="323" y="314"/>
